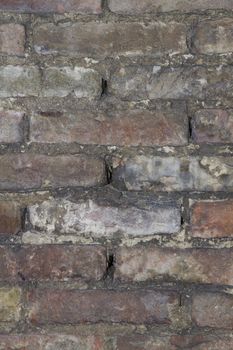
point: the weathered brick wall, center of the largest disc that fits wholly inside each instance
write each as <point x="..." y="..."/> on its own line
<point x="116" y="174"/>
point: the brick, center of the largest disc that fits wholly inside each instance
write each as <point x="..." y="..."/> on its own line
<point x="61" y="82"/>
<point x="201" y="342"/>
<point x="213" y="126"/>
<point x="111" y="39"/>
<point x="155" y="82"/>
<point x="143" y="172"/>
<point x="72" y="306"/>
<point x="59" y="6"/>
<point x="207" y="266"/>
<point x="213" y="310"/>
<point x="10" y="218"/>
<point x="10" y="304"/>
<point x="52" y="342"/>
<point x="214" y="37"/>
<point x="211" y="219"/>
<point x="12" y="39"/>
<point x="30" y="171"/>
<point x="175" y="342"/>
<point x="52" y="262"/>
<point x="138" y="342"/>
<point x="163" y="126"/>
<point x="122" y="342"/>
<point x="11" y="126"/>
<point x="137" y="7"/>
<point x="16" y="81"/>
<point x="106" y="215"/>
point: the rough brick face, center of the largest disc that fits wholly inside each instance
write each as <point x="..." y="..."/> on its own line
<point x="10" y="304"/>
<point x="174" y="174"/>
<point x="110" y="217"/>
<point x="136" y="7"/>
<point x="190" y="265"/>
<point x="70" y="306"/>
<point x="213" y="310"/>
<point x="110" y="39"/>
<point x="27" y="171"/>
<point x="59" y="6"/>
<point x="214" y="36"/>
<point x="53" y="263"/>
<point x="171" y="83"/>
<point x="168" y="126"/>
<point x="11" y="126"/>
<point x="12" y="39"/>
<point x="212" y="126"/>
<point x="10" y="218"/>
<point x="212" y="219"/>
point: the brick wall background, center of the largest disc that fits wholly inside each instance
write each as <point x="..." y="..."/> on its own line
<point x="116" y="174"/>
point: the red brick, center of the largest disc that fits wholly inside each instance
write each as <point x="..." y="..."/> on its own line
<point x="30" y="171"/>
<point x="110" y="39"/>
<point x="12" y="39"/>
<point x="207" y="266"/>
<point x="72" y="306"/>
<point x="52" y="341"/>
<point x="124" y="128"/>
<point x="175" y="342"/>
<point x="211" y="219"/>
<point x="59" y="6"/>
<point x="10" y="218"/>
<point x="214" y="36"/>
<point x="11" y="126"/>
<point x="137" y="7"/>
<point x="213" y="126"/>
<point x="52" y="262"/>
<point x="213" y="310"/>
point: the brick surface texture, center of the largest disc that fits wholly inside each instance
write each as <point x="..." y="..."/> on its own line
<point x="116" y="175"/>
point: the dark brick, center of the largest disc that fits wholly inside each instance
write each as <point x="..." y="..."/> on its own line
<point x="10" y="218"/>
<point x="30" y="171"/>
<point x="71" y="306"/>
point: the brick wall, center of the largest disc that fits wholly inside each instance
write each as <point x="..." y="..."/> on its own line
<point x="116" y="174"/>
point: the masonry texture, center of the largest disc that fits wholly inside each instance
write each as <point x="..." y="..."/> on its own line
<point x="116" y="175"/>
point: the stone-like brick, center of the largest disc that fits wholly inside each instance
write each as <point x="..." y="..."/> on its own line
<point x="213" y="310"/>
<point x="52" y="262"/>
<point x="174" y="174"/>
<point x="60" y="82"/>
<point x="209" y="266"/>
<point x="164" y="126"/>
<point x="214" y="36"/>
<point x="12" y="39"/>
<point x="11" y="128"/>
<point x="10" y="218"/>
<point x="111" y="39"/>
<point x="53" y="342"/>
<point x="122" y="342"/>
<point x="48" y="306"/>
<point x="201" y="341"/>
<point x="107" y="215"/>
<point x="16" y="81"/>
<point x="30" y="171"/>
<point x="59" y="6"/>
<point x="155" y="82"/>
<point x="213" y="126"/>
<point x="176" y="342"/>
<point x="212" y="219"/>
<point x="10" y="304"/>
<point x="137" y="7"/>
